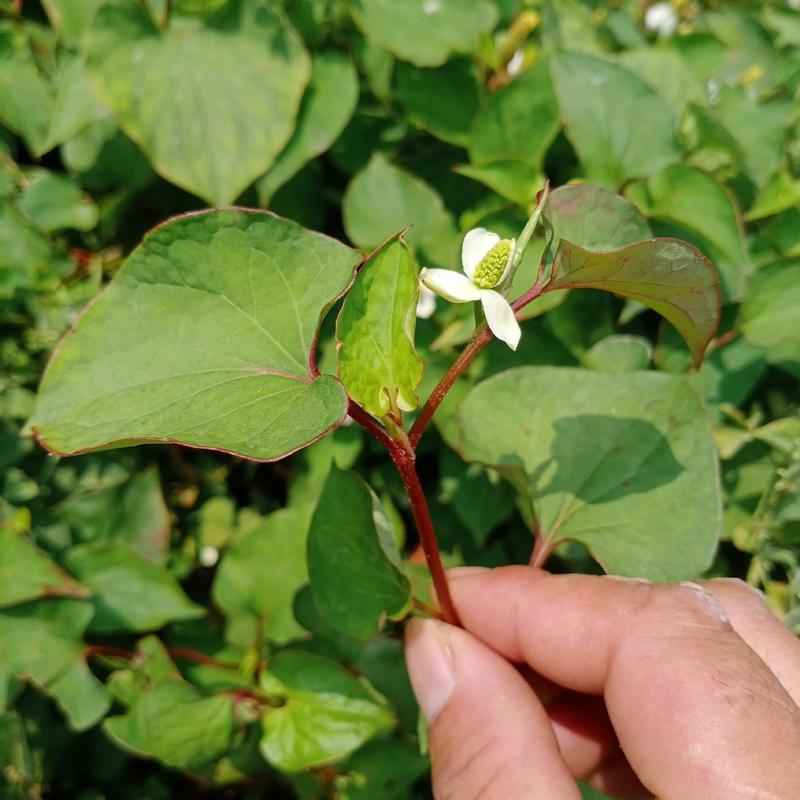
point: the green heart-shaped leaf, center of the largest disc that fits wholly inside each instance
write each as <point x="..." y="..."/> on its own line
<point x="353" y="561"/>
<point x="43" y="641"/>
<point x="620" y="127"/>
<point x="624" y="463"/>
<point x="211" y="106"/>
<point x="326" y="715"/>
<point x="425" y="32"/>
<point x="203" y="338"/>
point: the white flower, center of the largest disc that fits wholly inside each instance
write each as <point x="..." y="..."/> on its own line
<point x="426" y="304"/>
<point x="661" y="19"/>
<point x="209" y="555"/>
<point x="487" y="260"/>
<point x="517" y="62"/>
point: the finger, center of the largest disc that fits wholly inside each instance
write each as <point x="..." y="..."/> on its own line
<point x="686" y="695"/>
<point x="752" y="619"/>
<point x="489" y="736"/>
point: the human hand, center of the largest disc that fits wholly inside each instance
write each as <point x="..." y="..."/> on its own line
<point x="689" y="690"/>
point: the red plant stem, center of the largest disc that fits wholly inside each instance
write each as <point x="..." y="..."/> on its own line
<point x="726" y="338"/>
<point x="542" y="548"/>
<point x="418" y="605"/>
<point x="403" y="458"/>
<point x="176" y="652"/>
<point x="368" y="423"/>
<point x="481" y="338"/>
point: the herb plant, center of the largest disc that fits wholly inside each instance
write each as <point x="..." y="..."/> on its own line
<point x="553" y="318"/>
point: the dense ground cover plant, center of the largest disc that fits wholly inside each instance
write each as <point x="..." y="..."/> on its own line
<point x="640" y="418"/>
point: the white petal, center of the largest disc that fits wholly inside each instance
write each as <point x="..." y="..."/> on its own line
<point x="661" y="19"/>
<point x="451" y="285"/>
<point x="426" y="304"/>
<point x="500" y="317"/>
<point x="477" y="243"/>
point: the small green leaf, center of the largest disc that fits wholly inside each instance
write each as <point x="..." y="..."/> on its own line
<point x="170" y="720"/>
<point x="75" y="106"/>
<point x="378" y="365"/>
<point x="27" y="573"/>
<point x="758" y="128"/>
<point x="620" y="128"/>
<point x="425" y="32"/>
<point x="327" y="714"/>
<point x="211" y="106"/>
<point x="517" y="181"/>
<point x="42" y="641"/>
<point x="429" y="96"/>
<point x="623" y="463"/>
<point x="203" y="338"/>
<point x="519" y="122"/>
<point x="133" y="512"/>
<point x="262" y="571"/>
<point x="352" y="558"/>
<point x="769" y="317"/>
<point x="667" y="275"/>
<point x="384" y="199"/>
<point x="619" y="353"/>
<point x="71" y="18"/>
<point x="26" y="100"/>
<point x="129" y="593"/>
<point x="327" y="106"/>
<point x="53" y="202"/>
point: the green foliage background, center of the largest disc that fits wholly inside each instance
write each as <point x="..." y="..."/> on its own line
<point x="142" y="589"/>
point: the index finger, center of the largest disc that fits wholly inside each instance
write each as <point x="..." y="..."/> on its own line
<point x="696" y="711"/>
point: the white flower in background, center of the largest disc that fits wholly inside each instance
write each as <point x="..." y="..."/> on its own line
<point x="209" y="555"/>
<point x="714" y="90"/>
<point x="794" y="4"/>
<point x="661" y="19"/>
<point x="487" y="260"/>
<point x="426" y="304"/>
<point x="517" y="62"/>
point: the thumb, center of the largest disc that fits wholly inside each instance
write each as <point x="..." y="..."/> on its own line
<point x="489" y="735"/>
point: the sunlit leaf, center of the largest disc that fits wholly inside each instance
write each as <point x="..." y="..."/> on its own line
<point x="238" y="295"/>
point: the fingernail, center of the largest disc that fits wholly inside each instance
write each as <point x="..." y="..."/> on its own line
<point x="429" y="665"/>
<point x="464" y="572"/>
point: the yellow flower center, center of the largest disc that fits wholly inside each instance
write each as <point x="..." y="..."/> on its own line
<point x="492" y="266"/>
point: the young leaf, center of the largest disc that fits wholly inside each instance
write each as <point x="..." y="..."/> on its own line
<point x="169" y="719"/>
<point x="26" y="100"/>
<point x="428" y="96"/>
<point x="623" y="463"/>
<point x="378" y="365"/>
<point x="26" y="573"/>
<point x="262" y="571"/>
<point x="326" y="715"/>
<point x="129" y="593"/>
<point x="620" y="128"/>
<point x="211" y="106"/>
<point x="519" y="122"/>
<point x="769" y="316"/>
<point x="203" y="338"/>
<point x="667" y="275"/>
<point x="42" y="641"/>
<point x="327" y="106"/>
<point x="425" y="32"/>
<point x="352" y="558"/>
<point x="383" y="199"/>
<point x="53" y="202"/>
